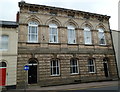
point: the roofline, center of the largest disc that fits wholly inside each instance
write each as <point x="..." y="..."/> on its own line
<point x="12" y="24"/>
<point x="115" y="30"/>
<point x="23" y="4"/>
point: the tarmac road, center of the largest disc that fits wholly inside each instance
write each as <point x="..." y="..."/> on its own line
<point x="107" y="86"/>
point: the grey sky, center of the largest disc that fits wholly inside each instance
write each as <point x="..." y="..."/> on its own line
<point x="9" y="8"/>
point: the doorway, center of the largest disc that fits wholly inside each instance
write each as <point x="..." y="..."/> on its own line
<point x="3" y="67"/>
<point x="105" y="65"/>
<point x="32" y="72"/>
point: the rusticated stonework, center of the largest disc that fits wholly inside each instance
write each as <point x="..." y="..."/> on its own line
<point x="43" y="52"/>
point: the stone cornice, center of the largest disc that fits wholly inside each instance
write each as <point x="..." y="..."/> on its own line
<point x="43" y="26"/>
<point x="107" y="32"/>
<point x="94" y="30"/>
<point x="85" y="14"/>
<point x="79" y="29"/>
<point x="62" y="27"/>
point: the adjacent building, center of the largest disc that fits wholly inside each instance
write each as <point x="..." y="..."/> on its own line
<point x="8" y="53"/>
<point x="116" y="41"/>
<point x="63" y="46"/>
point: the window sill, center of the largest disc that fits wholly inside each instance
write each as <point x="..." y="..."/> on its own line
<point x="92" y="72"/>
<point x="103" y="45"/>
<point x="72" y="44"/>
<point x="32" y="43"/>
<point x="88" y="44"/>
<point x="54" y="43"/>
<point x="74" y="73"/>
<point x="54" y="75"/>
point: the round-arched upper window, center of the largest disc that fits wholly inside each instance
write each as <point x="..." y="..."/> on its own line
<point x="3" y="64"/>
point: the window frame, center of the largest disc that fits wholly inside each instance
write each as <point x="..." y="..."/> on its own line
<point x="35" y="25"/>
<point x="51" y="27"/>
<point x="71" y="38"/>
<point x="74" y="66"/>
<point x="93" y="65"/>
<point x="101" y="31"/>
<point x="86" y="30"/>
<point x="3" y="42"/>
<point x="57" y="67"/>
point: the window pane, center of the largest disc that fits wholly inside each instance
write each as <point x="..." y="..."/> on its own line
<point x="54" y="67"/>
<point x="53" y="34"/>
<point x="54" y="70"/>
<point x="57" y="70"/>
<point x="87" y="35"/>
<point x="71" y="36"/>
<point x="73" y="70"/>
<point x="73" y="66"/>
<point x="33" y="32"/>
<point x="90" y="62"/>
<point x="92" y="68"/>
<point x="54" y="63"/>
<point x="4" y="42"/>
<point x="101" y="36"/>
<point x="76" y="69"/>
<point x="91" y="65"/>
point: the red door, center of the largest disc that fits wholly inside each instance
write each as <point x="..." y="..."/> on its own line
<point x="2" y="73"/>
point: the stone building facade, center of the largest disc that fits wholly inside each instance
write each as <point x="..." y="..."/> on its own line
<point x="63" y="46"/>
<point x="8" y="53"/>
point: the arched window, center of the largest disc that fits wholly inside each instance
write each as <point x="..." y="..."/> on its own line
<point x="71" y="34"/>
<point x="53" y="33"/>
<point x="91" y="66"/>
<point x="3" y="64"/>
<point x="33" y="32"/>
<point x="73" y="66"/>
<point x="55" y="67"/>
<point x="4" y="42"/>
<point x="101" y="36"/>
<point x="87" y="35"/>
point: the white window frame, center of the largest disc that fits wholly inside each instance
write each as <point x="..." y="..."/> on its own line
<point x="71" y="35"/>
<point x="87" y="35"/>
<point x="34" y="25"/>
<point x="57" y="67"/>
<point x="91" y="65"/>
<point x="74" y="66"/>
<point x="53" y="37"/>
<point x="101" y="36"/>
<point x="3" y="42"/>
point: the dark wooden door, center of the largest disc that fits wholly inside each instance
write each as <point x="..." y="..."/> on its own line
<point x="106" y="69"/>
<point x="32" y="74"/>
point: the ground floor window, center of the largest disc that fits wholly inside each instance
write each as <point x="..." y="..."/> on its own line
<point x="55" y="69"/>
<point x="91" y="66"/>
<point x="73" y="66"/>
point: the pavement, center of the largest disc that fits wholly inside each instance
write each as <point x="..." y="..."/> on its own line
<point x="80" y="86"/>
